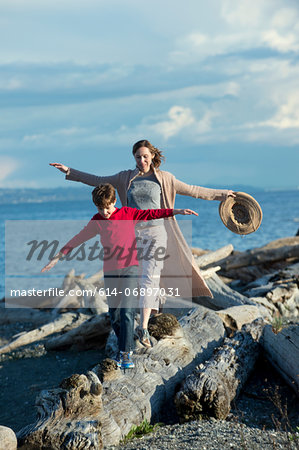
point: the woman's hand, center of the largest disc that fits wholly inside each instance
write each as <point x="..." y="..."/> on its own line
<point x="60" y="167"/>
<point x="225" y="194"/>
<point x="184" y="212"/>
<point x="52" y="263"/>
<point x="230" y="194"/>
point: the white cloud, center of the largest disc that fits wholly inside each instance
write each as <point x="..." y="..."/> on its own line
<point x="285" y="18"/>
<point x="244" y="12"/>
<point x="34" y="137"/>
<point x="287" y="115"/>
<point x="7" y="167"/>
<point x="183" y="119"/>
<point x="244" y="25"/>
<point x="283" y="43"/>
<point x="179" y="117"/>
<point x="205" y="123"/>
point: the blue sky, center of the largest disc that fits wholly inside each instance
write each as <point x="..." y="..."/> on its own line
<point x="213" y="84"/>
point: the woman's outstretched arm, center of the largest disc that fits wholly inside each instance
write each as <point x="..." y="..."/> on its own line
<point x="60" y="167"/>
<point x="86" y="178"/>
<point x="202" y="192"/>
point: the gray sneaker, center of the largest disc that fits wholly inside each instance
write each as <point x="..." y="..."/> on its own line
<point x="144" y="337"/>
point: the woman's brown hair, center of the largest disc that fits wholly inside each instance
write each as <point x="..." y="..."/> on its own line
<point x="158" y="156"/>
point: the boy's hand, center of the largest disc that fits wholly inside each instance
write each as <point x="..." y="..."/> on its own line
<point x="60" y="167"/>
<point x="52" y="263"/>
<point x="184" y="212"/>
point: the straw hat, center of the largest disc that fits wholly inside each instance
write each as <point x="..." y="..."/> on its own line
<point x="241" y="214"/>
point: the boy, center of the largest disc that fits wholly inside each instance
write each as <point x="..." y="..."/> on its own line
<point x="116" y="227"/>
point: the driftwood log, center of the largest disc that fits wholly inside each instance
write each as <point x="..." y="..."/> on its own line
<point x="225" y="297"/>
<point x="212" y="258"/>
<point x="95" y="329"/>
<point x="280" y="290"/>
<point x="68" y="416"/>
<point x="234" y="318"/>
<point x="282" y="350"/>
<point x="211" y="388"/>
<point x="128" y="397"/>
<point x="198" y="251"/>
<point x="60" y="323"/>
<point x="280" y="249"/>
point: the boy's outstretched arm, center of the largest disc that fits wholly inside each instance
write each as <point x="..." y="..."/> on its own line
<point x="84" y="235"/>
<point x="184" y="212"/>
<point x="151" y="214"/>
<point x="53" y="262"/>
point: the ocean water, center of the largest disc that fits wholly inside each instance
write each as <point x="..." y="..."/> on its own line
<point x="280" y="216"/>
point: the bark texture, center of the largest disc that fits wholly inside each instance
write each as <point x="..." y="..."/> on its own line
<point x="211" y="388"/>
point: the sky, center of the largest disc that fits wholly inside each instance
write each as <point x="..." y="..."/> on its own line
<point x="214" y="85"/>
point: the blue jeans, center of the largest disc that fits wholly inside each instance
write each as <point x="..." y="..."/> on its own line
<point x="120" y="284"/>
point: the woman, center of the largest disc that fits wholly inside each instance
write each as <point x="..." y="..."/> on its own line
<point x="148" y="187"/>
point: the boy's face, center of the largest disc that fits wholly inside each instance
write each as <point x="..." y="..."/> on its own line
<point x="108" y="211"/>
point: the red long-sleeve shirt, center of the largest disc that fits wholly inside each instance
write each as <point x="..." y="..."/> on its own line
<point x="117" y="235"/>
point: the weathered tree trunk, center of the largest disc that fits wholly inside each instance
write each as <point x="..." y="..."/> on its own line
<point x="234" y="318"/>
<point x="210" y="389"/>
<point x="130" y="397"/>
<point x="95" y="328"/>
<point x="224" y="297"/>
<point x="282" y="350"/>
<point x="280" y="289"/>
<point x="66" y="320"/>
<point x="274" y="251"/>
<point x="68" y="416"/>
<point x="211" y="258"/>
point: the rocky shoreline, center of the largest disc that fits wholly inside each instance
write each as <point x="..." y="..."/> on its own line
<point x="254" y="422"/>
<point x="210" y="435"/>
<point x="39" y="351"/>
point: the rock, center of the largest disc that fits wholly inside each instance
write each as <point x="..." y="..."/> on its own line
<point x="8" y="439"/>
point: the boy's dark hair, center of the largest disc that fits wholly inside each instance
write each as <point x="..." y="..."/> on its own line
<point x="103" y="195"/>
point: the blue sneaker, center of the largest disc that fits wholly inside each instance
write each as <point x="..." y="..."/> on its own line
<point x="126" y="361"/>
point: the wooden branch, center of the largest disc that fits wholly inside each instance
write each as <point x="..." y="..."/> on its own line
<point x="274" y="251"/>
<point x="198" y="251"/>
<point x="279" y="289"/>
<point x="96" y="327"/>
<point x="234" y="318"/>
<point x="211" y="388"/>
<point x="208" y="273"/>
<point x="66" y="320"/>
<point x="282" y="350"/>
<point x="92" y="299"/>
<point x="224" y="296"/>
<point x="211" y="258"/>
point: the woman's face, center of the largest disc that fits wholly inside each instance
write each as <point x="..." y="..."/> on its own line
<point x="143" y="158"/>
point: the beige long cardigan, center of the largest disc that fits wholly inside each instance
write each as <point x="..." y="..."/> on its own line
<point x="170" y="186"/>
